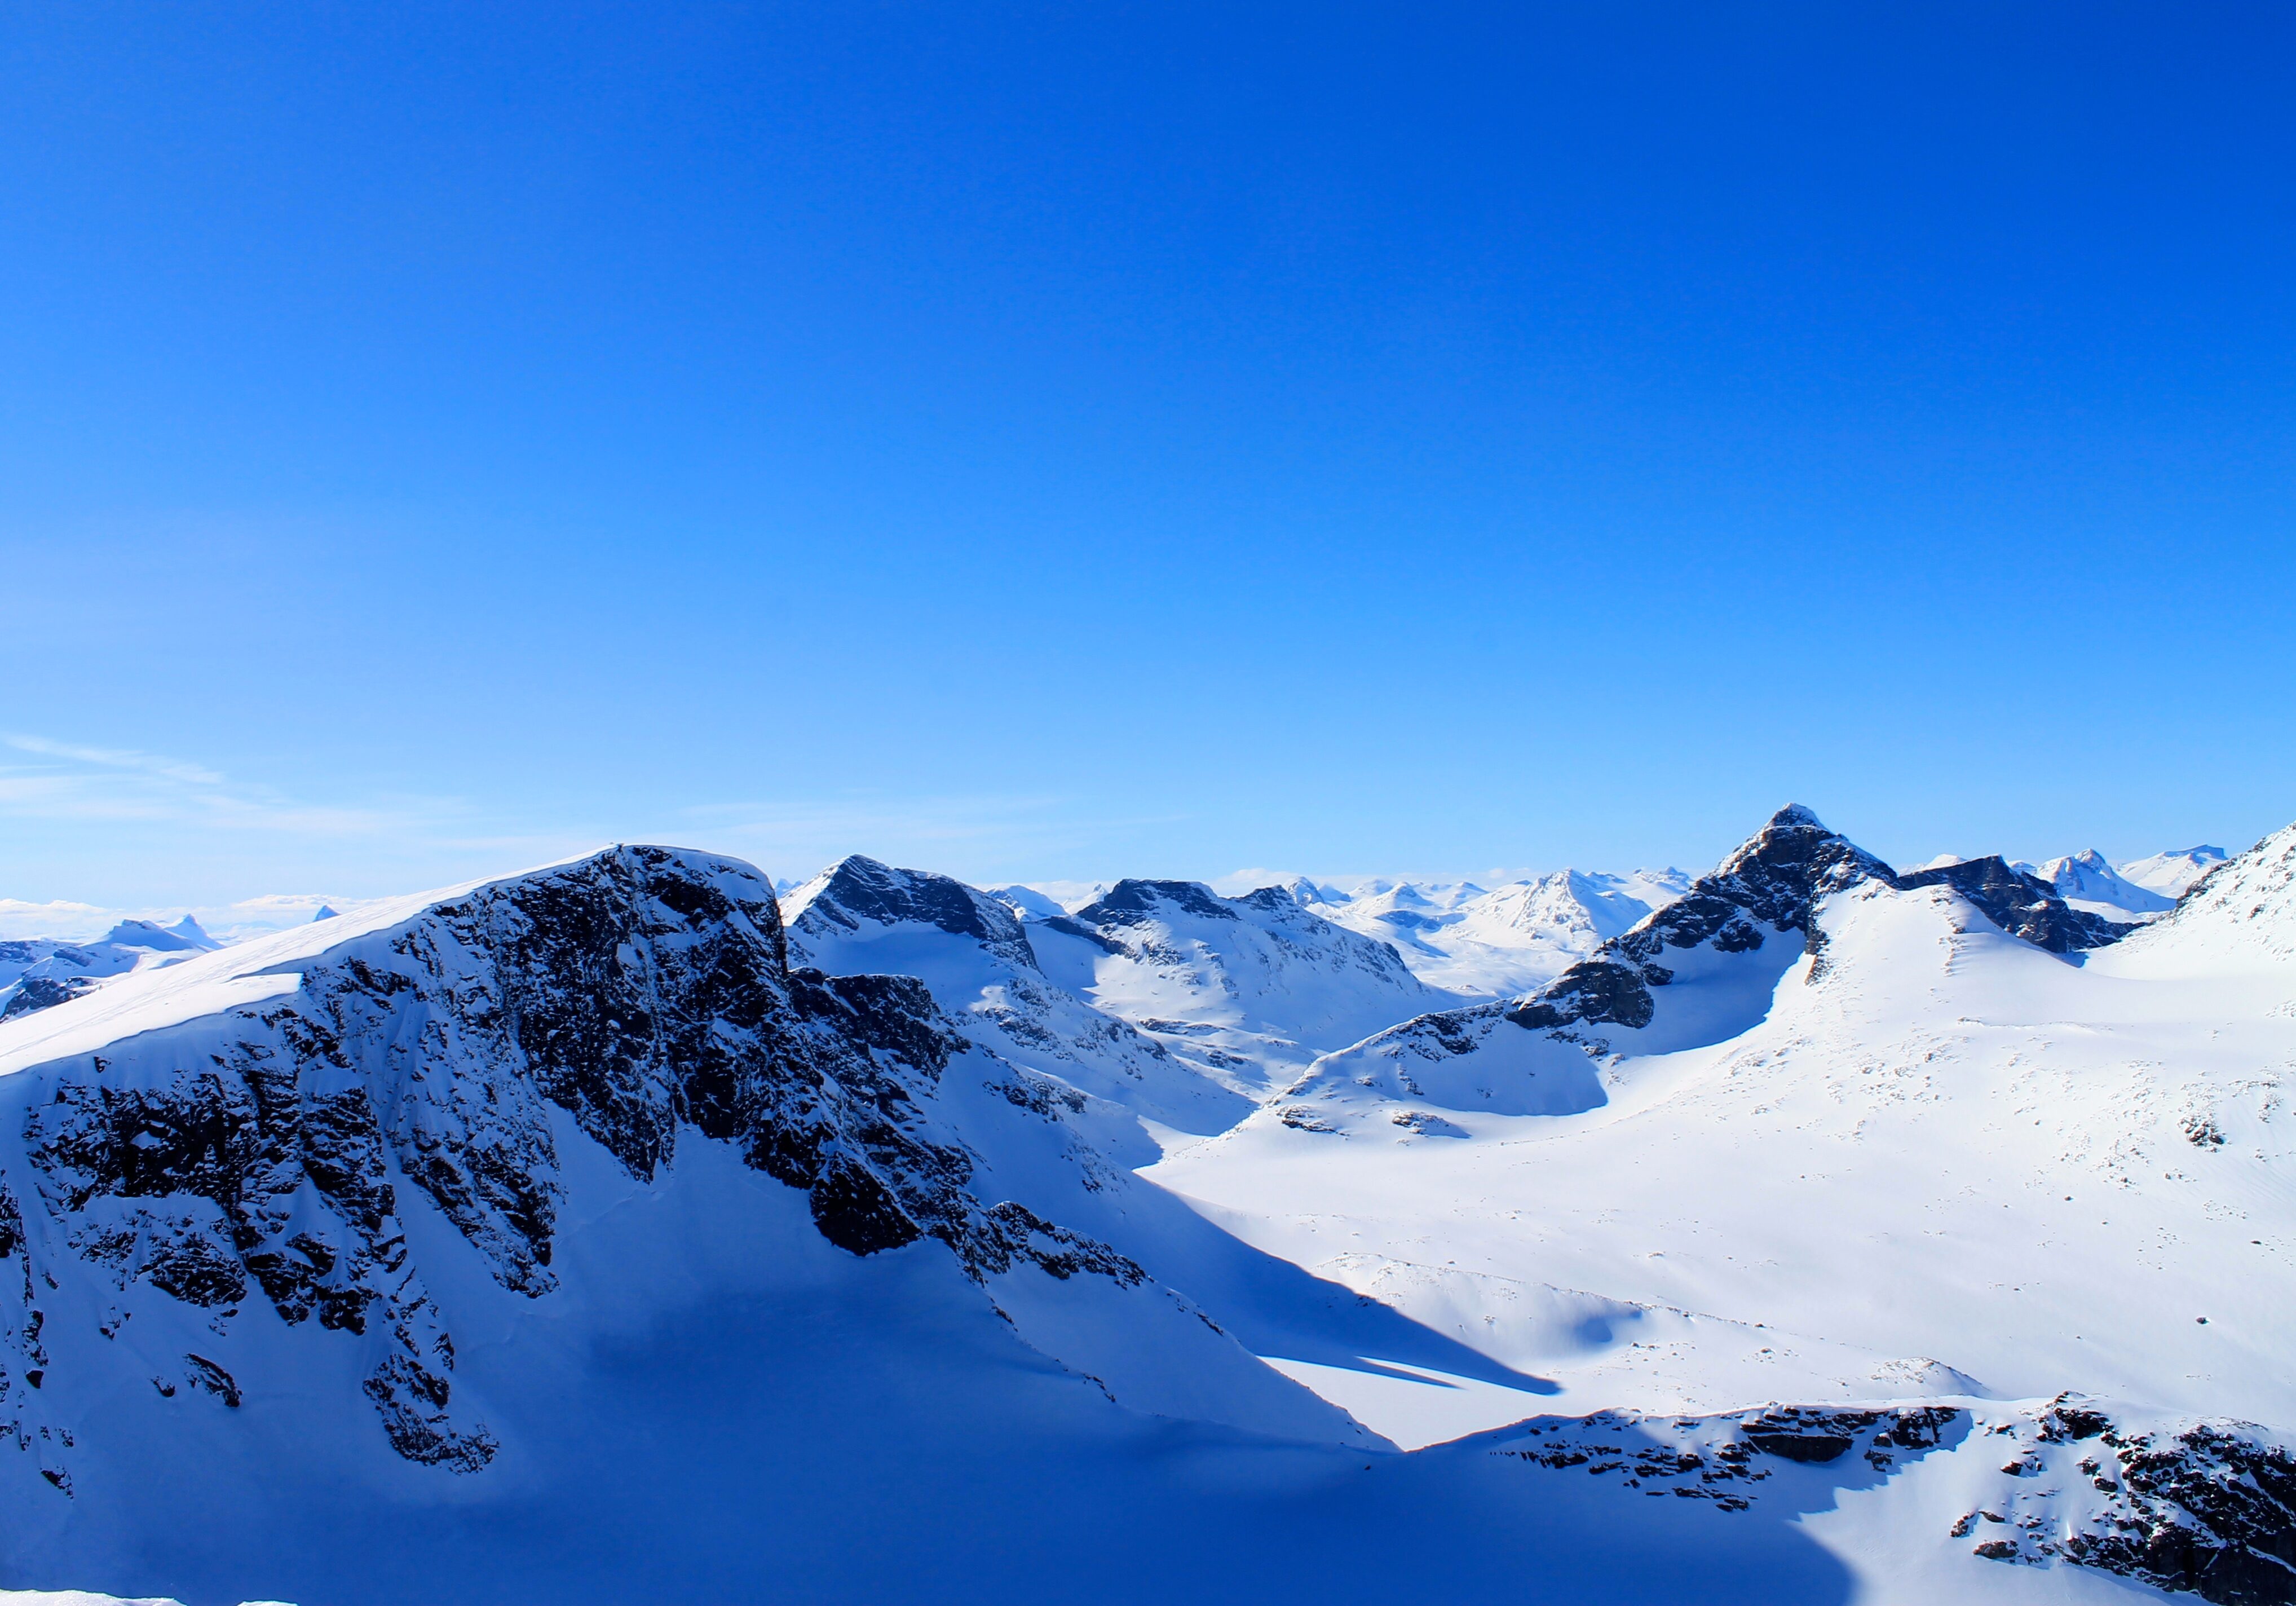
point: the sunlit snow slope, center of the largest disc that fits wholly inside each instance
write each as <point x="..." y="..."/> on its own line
<point x="1930" y="1144"/>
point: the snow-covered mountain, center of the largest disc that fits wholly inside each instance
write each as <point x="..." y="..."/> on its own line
<point x="2171" y="874"/>
<point x="597" y="1233"/>
<point x="37" y="973"/>
<point x="2085" y="880"/>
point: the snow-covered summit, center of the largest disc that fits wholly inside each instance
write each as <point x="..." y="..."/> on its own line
<point x="384" y="1196"/>
<point x="859" y="899"/>
<point x="588" y="1234"/>
<point x="2172" y="874"/>
<point x="2086" y="881"/>
<point x="184" y="937"/>
<point x="1697" y="971"/>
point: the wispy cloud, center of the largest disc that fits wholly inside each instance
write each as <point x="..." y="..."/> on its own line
<point x="63" y="780"/>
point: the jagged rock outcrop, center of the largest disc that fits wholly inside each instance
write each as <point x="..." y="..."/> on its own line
<point x="2203" y="1506"/>
<point x="2192" y="1506"/>
<point x="856" y="894"/>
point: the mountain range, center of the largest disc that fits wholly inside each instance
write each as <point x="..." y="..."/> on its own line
<point x="1807" y="1230"/>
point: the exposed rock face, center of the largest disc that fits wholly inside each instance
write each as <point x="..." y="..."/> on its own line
<point x="643" y="991"/>
<point x="1765" y="889"/>
<point x="43" y="992"/>
<point x="1724" y="1459"/>
<point x="1131" y="903"/>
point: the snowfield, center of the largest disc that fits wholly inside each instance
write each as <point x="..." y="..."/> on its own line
<point x="1808" y="1231"/>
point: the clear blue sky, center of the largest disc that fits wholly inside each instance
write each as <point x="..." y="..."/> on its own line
<point x="1069" y="441"/>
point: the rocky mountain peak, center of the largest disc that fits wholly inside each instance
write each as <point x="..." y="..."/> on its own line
<point x="1782" y="870"/>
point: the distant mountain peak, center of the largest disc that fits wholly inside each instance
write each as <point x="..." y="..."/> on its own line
<point x="2172" y="874"/>
<point x="1131" y="899"/>
<point x="859" y="890"/>
<point x="2087" y="881"/>
<point x="184" y="937"/>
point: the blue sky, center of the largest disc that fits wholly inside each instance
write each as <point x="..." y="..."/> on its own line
<point x="1065" y="442"/>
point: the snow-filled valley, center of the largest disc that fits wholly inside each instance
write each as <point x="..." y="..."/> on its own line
<point x="1803" y="1231"/>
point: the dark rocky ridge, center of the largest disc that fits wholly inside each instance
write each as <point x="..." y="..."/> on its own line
<point x="44" y="992"/>
<point x="1034" y="1021"/>
<point x="2020" y="904"/>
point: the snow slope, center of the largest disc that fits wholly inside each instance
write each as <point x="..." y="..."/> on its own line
<point x="2235" y="921"/>
<point x="1934" y="1145"/>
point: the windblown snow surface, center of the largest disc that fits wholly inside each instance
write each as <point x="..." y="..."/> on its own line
<point x="1825" y="1234"/>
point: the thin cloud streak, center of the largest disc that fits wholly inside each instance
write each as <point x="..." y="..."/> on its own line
<point x="76" y="781"/>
